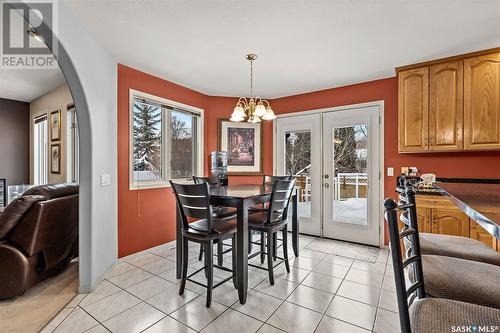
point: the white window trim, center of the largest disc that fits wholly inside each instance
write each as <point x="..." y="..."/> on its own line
<point x="165" y="133"/>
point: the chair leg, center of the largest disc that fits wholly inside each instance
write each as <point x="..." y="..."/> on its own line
<point x="250" y="241"/>
<point x="234" y="260"/>
<point x="285" y="248"/>
<point x="220" y="253"/>
<point x="275" y="246"/>
<point x="185" y="259"/>
<point x="200" y="257"/>
<point x="262" y="247"/>
<point x="210" y="269"/>
<point x="205" y="247"/>
<point x="270" y="261"/>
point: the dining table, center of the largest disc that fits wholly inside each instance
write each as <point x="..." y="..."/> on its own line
<point x="241" y="197"/>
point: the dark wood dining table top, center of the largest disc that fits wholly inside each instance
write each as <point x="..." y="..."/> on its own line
<point x="240" y="191"/>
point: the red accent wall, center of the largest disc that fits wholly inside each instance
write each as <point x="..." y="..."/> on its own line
<point x="146" y="218"/>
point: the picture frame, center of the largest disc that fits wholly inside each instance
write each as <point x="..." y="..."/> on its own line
<point x="55" y="158"/>
<point x="243" y="143"/>
<point x="55" y="125"/>
<point x="3" y="192"/>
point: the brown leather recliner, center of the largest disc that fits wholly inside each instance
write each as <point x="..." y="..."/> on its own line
<point x="38" y="236"/>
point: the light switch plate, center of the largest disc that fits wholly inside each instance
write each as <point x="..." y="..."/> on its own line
<point x="390" y="172"/>
<point x="105" y="180"/>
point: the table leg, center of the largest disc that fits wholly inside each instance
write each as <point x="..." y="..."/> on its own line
<point x="242" y="250"/>
<point x="178" y="243"/>
<point x="295" y="225"/>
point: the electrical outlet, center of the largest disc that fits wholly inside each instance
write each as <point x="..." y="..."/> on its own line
<point x="390" y="172"/>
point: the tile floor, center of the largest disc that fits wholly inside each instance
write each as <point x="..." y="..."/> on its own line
<point x="323" y="293"/>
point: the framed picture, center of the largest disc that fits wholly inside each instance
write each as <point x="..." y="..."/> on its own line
<point x="55" y="158"/>
<point x="243" y="143"/>
<point x="3" y="192"/>
<point x="55" y="125"/>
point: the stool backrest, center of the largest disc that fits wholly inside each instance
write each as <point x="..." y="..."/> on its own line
<point x="405" y="296"/>
<point x="269" y="180"/>
<point x="280" y="199"/>
<point x="193" y="201"/>
<point x="211" y="180"/>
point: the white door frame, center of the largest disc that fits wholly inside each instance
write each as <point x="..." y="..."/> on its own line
<point x="380" y="105"/>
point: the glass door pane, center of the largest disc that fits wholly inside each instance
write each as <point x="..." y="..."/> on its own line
<point x="298" y="164"/>
<point x="350" y="178"/>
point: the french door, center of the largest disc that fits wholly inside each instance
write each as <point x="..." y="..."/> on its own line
<point x="335" y="159"/>
<point x="298" y="141"/>
<point x="351" y="192"/>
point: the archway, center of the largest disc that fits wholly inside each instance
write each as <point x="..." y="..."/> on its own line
<point x="85" y="152"/>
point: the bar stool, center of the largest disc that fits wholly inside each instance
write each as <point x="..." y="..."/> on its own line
<point x="454" y="246"/>
<point x="266" y="181"/>
<point x="270" y="222"/>
<point x="193" y="201"/>
<point x="219" y="212"/>
<point x="448" y="277"/>
<point x="417" y="312"/>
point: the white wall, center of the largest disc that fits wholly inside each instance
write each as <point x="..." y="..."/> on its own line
<point x="57" y="99"/>
<point x="97" y="72"/>
<point x="88" y="68"/>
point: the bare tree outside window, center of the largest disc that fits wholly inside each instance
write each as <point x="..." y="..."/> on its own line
<point x="181" y="136"/>
<point x="297" y="152"/>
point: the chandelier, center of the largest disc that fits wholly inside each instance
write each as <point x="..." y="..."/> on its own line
<point x="253" y="109"/>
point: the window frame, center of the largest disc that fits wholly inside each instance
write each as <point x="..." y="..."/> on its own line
<point x="199" y="137"/>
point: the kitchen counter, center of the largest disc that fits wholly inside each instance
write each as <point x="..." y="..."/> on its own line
<point x="481" y="202"/>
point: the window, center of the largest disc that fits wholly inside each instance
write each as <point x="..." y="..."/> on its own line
<point x="72" y="144"/>
<point x="166" y="141"/>
<point x="40" y="147"/>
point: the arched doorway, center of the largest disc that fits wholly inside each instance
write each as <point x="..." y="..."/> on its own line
<point x="85" y="151"/>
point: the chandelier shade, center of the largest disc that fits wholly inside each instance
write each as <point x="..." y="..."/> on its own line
<point x="253" y="109"/>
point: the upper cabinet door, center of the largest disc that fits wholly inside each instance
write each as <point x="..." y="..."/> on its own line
<point x="446" y="107"/>
<point x="413" y="109"/>
<point x="482" y="102"/>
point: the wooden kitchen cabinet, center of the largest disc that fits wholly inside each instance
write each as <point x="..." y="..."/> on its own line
<point x="413" y="109"/>
<point x="450" y="104"/>
<point x="449" y="222"/>
<point x="478" y="233"/>
<point x="446" y="106"/>
<point x="482" y="102"/>
<point x="423" y="220"/>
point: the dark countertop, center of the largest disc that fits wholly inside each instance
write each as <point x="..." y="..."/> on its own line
<point x="481" y="202"/>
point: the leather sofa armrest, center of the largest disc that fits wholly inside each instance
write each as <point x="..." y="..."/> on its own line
<point x="17" y="272"/>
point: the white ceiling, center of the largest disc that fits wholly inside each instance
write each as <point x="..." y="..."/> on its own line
<point x="26" y="85"/>
<point x="302" y="45"/>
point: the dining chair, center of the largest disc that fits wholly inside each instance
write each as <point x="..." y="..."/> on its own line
<point x="267" y="180"/>
<point x="448" y="277"/>
<point x="219" y="212"/>
<point x="270" y="222"/>
<point x="454" y="246"/>
<point x="419" y="313"/>
<point x="193" y="202"/>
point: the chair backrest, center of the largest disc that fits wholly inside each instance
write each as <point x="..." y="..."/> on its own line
<point x="405" y="296"/>
<point x="280" y="198"/>
<point x="269" y="180"/>
<point x="211" y="180"/>
<point x="193" y="201"/>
